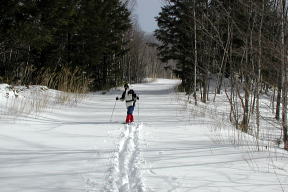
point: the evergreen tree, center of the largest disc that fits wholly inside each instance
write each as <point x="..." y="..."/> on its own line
<point x="44" y="37"/>
<point x="176" y="29"/>
<point x="102" y="34"/>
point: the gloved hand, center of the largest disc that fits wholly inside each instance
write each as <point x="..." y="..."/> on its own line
<point x="117" y="98"/>
<point x="137" y="98"/>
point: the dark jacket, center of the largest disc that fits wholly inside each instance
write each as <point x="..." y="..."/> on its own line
<point x="129" y="96"/>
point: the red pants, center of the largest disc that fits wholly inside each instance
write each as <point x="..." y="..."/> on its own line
<point x="129" y="118"/>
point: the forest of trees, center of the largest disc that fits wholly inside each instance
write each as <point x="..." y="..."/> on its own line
<point x="72" y="45"/>
<point x="243" y="41"/>
<point x="75" y="45"/>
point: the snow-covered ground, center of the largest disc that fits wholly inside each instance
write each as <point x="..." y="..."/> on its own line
<point x="170" y="147"/>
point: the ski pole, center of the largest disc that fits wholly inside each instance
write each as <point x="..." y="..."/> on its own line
<point x="113" y="111"/>
<point x="138" y="111"/>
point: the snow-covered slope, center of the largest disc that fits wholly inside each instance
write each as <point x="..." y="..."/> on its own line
<point x="168" y="148"/>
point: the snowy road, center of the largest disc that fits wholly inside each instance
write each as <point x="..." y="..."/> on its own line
<point x="168" y="149"/>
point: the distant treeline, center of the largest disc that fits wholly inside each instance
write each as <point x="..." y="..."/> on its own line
<point x="65" y="44"/>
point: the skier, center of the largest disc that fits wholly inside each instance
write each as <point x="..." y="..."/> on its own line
<point x="130" y="97"/>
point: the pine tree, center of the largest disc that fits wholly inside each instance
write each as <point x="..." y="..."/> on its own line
<point x="103" y="25"/>
<point x="176" y="33"/>
<point x="47" y="36"/>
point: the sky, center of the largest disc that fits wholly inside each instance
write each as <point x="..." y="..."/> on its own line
<point x="146" y="11"/>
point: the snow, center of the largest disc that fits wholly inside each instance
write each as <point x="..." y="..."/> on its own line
<point x="172" y="146"/>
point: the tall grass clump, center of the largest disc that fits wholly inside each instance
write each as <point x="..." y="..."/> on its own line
<point x="32" y="101"/>
<point x="72" y="84"/>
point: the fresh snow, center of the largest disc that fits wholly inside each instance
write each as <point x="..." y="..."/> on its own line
<point x="172" y="146"/>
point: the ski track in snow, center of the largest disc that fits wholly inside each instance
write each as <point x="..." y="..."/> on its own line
<point x="124" y="175"/>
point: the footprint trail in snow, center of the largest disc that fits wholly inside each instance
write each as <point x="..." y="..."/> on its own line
<point x="125" y="172"/>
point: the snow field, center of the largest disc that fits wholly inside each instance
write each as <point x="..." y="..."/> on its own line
<point x="173" y="147"/>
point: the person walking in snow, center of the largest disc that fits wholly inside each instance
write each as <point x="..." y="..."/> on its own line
<point x="130" y="97"/>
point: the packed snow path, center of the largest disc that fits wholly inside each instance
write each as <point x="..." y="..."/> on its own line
<point x="169" y="148"/>
<point x="125" y="173"/>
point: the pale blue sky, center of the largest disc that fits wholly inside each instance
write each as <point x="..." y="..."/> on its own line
<point x="146" y="10"/>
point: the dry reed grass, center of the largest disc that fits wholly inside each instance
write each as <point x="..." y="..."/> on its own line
<point x="71" y="85"/>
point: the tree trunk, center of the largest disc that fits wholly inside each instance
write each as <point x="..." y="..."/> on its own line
<point x="284" y="81"/>
<point x="258" y="87"/>
<point x="195" y="53"/>
<point x="279" y="92"/>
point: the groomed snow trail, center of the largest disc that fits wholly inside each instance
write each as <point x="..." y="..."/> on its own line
<point x="125" y="173"/>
